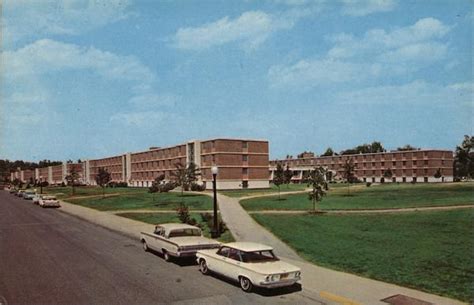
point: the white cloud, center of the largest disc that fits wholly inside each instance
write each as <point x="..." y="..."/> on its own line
<point x="366" y="7"/>
<point x="45" y="56"/>
<point x="312" y="73"/>
<point x="378" y="52"/>
<point x="250" y="29"/>
<point x="32" y="18"/>
<point x="416" y="92"/>
<point x="151" y="100"/>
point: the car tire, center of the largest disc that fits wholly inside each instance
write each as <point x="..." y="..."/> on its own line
<point x="145" y="246"/>
<point x="245" y="284"/>
<point x="203" y="267"/>
<point x="166" y="256"/>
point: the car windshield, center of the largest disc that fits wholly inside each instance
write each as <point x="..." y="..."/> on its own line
<point x="185" y="232"/>
<point x="259" y="256"/>
<point x="49" y="198"/>
<point x="30" y="193"/>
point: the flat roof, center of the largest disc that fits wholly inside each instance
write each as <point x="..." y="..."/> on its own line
<point x="248" y="246"/>
<point x="176" y="226"/>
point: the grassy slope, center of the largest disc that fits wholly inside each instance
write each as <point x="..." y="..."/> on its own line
<point x="374" y="197"/>
<point x="431" y="251"/>
<point x="155" y="218"/>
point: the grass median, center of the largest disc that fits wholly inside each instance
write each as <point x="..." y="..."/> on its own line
<point x="156" y="218"/>
<point x="431" y="251"/>
<point x="385" y="196"/>
<point x="132" y="198"/>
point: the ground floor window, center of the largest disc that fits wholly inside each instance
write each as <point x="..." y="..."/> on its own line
<point x="373" y="179"/>
<point x="394" y="179"/>
<point x="425" y="179"/>
<point x="404" y="179"/>
<point x="245" y="184"/>
<point x="365" y="179"/>
<point x="414" y="179"/>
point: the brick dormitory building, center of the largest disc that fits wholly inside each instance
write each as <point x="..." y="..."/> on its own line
<point x="242" y="163"/>
<point x="405" y="166"/>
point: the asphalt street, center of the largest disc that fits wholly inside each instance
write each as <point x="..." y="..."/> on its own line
<point x="49" y="257"/>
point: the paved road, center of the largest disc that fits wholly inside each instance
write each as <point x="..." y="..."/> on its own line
<point x="47" y="257"/>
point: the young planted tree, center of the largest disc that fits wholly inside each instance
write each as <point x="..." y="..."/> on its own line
<point x="348" y="173"/>
<point x="464" y="158"/>
<point x="279" y="177"/>
<point x="388" y="173"/>
<point x="72" y="179"/>
<point x="438" y="174"/>
<point x="183" y="176"/>
<point x="102" y="178"/>
<point x="316" y="179"/>
<point x="288" y="174"/>
<point x="155" y="185"/>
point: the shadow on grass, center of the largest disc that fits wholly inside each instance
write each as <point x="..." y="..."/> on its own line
<point x="279" y="199"/>
<point x="266" y="292"/>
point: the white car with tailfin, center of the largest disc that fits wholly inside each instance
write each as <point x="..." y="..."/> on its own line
<point x="251" y="264"/>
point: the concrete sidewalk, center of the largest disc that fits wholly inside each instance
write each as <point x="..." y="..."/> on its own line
<point x="317" y="281"/>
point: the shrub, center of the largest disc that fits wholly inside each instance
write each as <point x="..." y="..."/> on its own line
<point x="183" y="215"/>
<point x="368" y="184"/>
<point x="209" y="219"/>
<point x="198" y="187"/>
<point x="63" y="184"/>
<point x="166" y="187"/>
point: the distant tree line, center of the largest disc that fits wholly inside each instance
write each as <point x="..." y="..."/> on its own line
<point x="7" y="166"/>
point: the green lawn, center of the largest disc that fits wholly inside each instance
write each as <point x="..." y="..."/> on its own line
<point x="431" y="251"/>
<point x="66" y="192"/>
<point x="143" y="200"/>
<point x="155" y="218"/>
<point x="273" y="189"/>
<point x="375" y="197"/>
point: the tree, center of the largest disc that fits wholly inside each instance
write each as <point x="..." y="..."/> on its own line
<point x="316" y="179"/>
<point x="388" y="173"/>
<point x="279" y="177"/>
<point x="438" y="173"/>
<point x="407" y="147"/>
<point x="184" y="176"/>
<point x="102" y="178"/>
<point x="464" y="158"/>
<point x="305" y="154"/>
<point x="155" y="185"/>
<point x="375" y="147"/>
<point x="348" y="173"/>
<point x="288" y="174"/>
<point x="329" y="152"/>
<point x="72" y="179"/>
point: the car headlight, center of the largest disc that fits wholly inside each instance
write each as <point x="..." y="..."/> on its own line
<point x="267" y="278"/>
<point x="297" y="274"/>
<point x="275" y="277"/>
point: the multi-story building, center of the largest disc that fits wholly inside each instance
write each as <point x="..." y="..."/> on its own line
<point x="242" y="163"/>
<point x="394" y="166"/>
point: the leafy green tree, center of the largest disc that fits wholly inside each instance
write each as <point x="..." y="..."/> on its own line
<point x="183" y="176"/>
<point x="155" y="185"/>
<point x="72" y="179"/>
<point x="288" y="174"/>
<point x="102" y="178"/>
<point x="348" y="173"/>
<point x="464" y="158"/>
<point x="329" y="152"/>
<point x="407" y="148"/>
<point x="279" y="177"/>
<point x="316" y="179"/>
<point x="388" y="173"/>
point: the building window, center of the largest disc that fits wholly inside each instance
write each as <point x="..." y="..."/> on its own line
<point x="245" y="184"/>
<point x="426" y="179"/>
<point x="383" y="163"/>
<point x="425" y="162"/>
<point x="245" y="171"/>
<point x="414" y="162"/>
<point x="404" y="179"/>
<point x="404" y="163"/>
<point x="245" y="144"/>
<point x="245" y="158"/>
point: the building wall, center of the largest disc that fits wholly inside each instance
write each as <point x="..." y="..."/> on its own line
<point x="57" y="174"/>
<point x="407" y="166"/>
<point x="114" y="165"/>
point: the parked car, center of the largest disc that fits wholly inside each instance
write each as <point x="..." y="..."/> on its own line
<point x="49" y="201"/>
<point x="29" y="194"/>
<point x="36" y="199"/>
<point x="175" y="240"/>
<point x="251" y="264"/>
<point x="20" y="193"/>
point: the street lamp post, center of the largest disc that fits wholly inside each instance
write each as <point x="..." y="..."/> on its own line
<point x="214" y="230"/>
<point x="41" y="184"/>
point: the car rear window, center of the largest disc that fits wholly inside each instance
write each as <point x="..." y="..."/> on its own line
<point x="185" y="232"/>
<point x="258" y="256"/>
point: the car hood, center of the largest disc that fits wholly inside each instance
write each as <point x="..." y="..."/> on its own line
<point x="272" y="267"/>
<point x="193" y="241"/>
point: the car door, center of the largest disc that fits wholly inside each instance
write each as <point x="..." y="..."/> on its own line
<point x="234" y="263"/>
<point x="218" y="263"/>
<point x="155" y="240"/>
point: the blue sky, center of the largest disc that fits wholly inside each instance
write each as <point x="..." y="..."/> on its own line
<point x="86" y="79"/>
